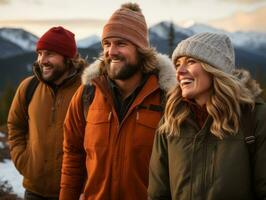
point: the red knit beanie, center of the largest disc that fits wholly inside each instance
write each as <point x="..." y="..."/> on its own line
<point x="59" y="40"/>
<point x="129" y="23"/>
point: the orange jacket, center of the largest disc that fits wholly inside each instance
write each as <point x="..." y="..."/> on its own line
<point x="102" y="158"/>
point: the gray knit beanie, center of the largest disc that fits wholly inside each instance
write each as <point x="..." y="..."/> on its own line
<point x="212" y="48"/>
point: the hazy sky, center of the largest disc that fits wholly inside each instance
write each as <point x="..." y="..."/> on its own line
<point x="202" y="11"/>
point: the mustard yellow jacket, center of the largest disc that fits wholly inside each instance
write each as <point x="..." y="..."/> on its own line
<point x="36" y="134"/>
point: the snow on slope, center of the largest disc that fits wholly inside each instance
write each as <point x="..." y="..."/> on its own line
<point x="242" y="39"/>
<point x="24" y="39"/>
<point x="88" y="41"/>
<point x="10" y="174"/>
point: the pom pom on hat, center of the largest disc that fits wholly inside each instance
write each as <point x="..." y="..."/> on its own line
<point x="128" y="23"/>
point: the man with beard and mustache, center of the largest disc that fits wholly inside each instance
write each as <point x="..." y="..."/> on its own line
<point x="36" y="130"/>
<point x="106" y="155"/>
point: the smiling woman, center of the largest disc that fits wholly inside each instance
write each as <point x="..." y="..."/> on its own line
<point x="201" y="139"/>
<point x="195" y="82"/>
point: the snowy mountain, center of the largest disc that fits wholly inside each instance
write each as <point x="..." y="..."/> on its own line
<point x="254" y="41"/>
<point x="88" y="41"/>
<point x="161" y="30"/>
<point x="9" y="49"/>
<point x="250" y="40"/>
<point x="199" y="28"/>
<point x="16" y="59"/>
<point x="20" y="37"/>
<point x="249" y="47"/>
<point x="22" y="40"/>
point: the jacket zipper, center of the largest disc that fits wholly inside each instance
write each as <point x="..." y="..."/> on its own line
<point x="120" y="125"/>
<point x="192" y="165"/>
<point x="205" y="155"/>
<point x="193" y="153"/>
<point x="53" y="108"/>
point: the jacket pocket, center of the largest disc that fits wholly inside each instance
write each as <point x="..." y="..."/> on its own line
<point x="146" y="125"/>
<point x="20" y="158"/>
<point x="97" y="129"/>
<point x="34" y="163"/>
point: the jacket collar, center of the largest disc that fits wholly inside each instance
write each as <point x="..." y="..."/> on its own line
<point x="68" y="80"/>
<point x="166" y="76"/>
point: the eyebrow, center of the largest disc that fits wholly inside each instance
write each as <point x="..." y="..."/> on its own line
<point x="120" y="40"/>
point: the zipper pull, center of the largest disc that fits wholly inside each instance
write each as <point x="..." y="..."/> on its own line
<point x="137" y="117"/>
<point x="109" y="116"/>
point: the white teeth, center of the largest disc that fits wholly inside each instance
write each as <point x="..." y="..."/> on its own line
<point x="185" y="81"/>
<point x="115" y="61"/>
<point x="46" y="67"/>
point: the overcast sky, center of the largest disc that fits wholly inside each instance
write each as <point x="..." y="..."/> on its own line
<point x="202" y="11"/>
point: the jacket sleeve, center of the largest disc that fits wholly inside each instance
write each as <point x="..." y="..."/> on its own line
<point x="260" y="153"/>
<point x="74" y="167"/>
<point x="17" y="123"/>
<point x="159" y="187"/>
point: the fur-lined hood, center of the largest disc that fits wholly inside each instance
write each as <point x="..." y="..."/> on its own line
<point x="245" y="77"/>
<point x="167" y="72"/>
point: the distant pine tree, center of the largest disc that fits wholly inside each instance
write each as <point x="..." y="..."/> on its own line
<point x="171" y="39"/>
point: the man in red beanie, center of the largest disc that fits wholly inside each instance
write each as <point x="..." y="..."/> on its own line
<point x="107" y="155"/>
<point x="35" y="128"/>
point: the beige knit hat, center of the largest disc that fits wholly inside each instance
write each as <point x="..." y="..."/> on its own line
<point x="129" y="23"/>
<point x="212" y="48"/>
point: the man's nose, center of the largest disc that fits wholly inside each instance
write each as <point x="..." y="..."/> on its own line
<point x="42" y="59"/>
<point x="113" y="50"/>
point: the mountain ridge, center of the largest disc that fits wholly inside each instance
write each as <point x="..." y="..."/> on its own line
<point x="15" y="61"/>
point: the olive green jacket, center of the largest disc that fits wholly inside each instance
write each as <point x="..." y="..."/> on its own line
<point x="199" y="166"/>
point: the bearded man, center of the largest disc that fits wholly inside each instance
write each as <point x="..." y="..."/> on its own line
<point x="35" y="128"/>
<point x="107" y="155"/>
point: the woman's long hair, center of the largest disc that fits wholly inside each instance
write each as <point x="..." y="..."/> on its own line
<point x="227" y="95"/>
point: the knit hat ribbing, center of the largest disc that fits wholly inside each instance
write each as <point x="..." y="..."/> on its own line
<point x="129" y="23"/>
<point x="212" y="48"/>
<point x="59" y="40"/>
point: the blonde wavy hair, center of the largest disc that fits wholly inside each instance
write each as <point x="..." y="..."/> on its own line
<point x="229" y="92"/>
